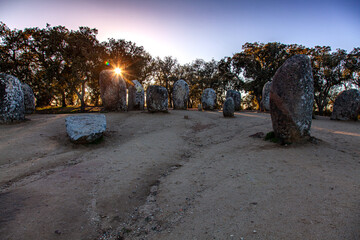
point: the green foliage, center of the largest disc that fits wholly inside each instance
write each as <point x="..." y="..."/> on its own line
<point x="270" y="136"/>
<point x="165" y="72"/>
<point x="329" y="72"/>
<point x="352" y="66"/>
<point x="259" y="62"/>
<point x="63" y="66"/>
<point x="135" y="62"/>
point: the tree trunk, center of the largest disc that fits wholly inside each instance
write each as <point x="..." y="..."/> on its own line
<point x="82" y="108"/>
<point x="63" y="98"/>
<point x="96" y="100"/>
<point x="258" y="100"/>
<point x="170" y="100"/>
<point x="81" y="96"/>
<point x="321" y="112"/>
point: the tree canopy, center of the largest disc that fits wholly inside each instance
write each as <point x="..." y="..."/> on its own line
<point x="62" y="66"/>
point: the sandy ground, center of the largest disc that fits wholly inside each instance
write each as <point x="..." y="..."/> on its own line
<point x="161" y="176"/>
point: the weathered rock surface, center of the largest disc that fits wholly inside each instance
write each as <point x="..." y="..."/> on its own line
<point x="208" y="99"/>
<point x="229" y="107"/>
<point x="347" y="105"/>
<point x="29" y="98"/>
<point x="291" y="100"/>
<point x="112" y="91"/>
<point x="180" y="95"/>
<point x="12" y="108"/>
<point x="136" y="96"/>
<point x="85" y="128"/>
<point x="265" y="101"/>
<point x="156" y="99"/>
<point x="236" y="96"/>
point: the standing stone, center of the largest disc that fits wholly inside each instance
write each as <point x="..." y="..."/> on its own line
<point x="236" y="96"/>
<point x="135" y="96"/>
<point x="208" y="99"/>
<point x="156" y="99"/>
<point x="112" y="91"/>
<point x="85" y="128"/>
<point x="229" y="107"/>
<point x="265" y="101"/>
<point x="347" y="105"/>
<point x="199" y="107"/>
<point x="180" y="95"/>
<point x="29" y="98"/>
<point x="12" y="108"/>
<point x="291" y="100"/>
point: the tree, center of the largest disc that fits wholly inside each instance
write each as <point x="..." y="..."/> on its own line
<point x="134" y="61"/>
<point x="258" y="63"/>
<point x="328" y="73"/>
<point x="352" y="66"/>
<point x="166" y="73"/>
<point x="83" y="58"/>
<point x="50" y="81"/>
<point x="200" y="75"/>
<point x="63" y="66"/>
<point x="228" y="78"/>
<point x="16" y="57"/>
<point x="190" y="74"/>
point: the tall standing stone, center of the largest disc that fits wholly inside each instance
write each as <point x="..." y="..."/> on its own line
<point x="112" y="91"/>
<point x="12" y="108"/>
<point x="229" y="107"/>
<point x="135" y="96"/>
<point x="29" y="98"/>
<point x="156" y="99"/>
<point x="236" y="96"/>
<point x="180" y="95"/>
<point x="265" y="101"/>
<point x="291" y="100"/>
<point x="347" y="105"/>
<point x="208" y="99"/>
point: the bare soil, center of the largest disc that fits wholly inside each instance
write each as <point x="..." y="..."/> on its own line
<point x="167" y="176"/>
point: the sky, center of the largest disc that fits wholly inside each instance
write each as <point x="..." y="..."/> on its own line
<point x="191" y="29"/>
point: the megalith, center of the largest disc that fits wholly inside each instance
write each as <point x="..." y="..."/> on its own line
<point x="265" y="100"/>
<point x="135" y="96"/>
<point x="180" y="95"/>
<point x="208" y="99"/>
<point x="156" y="99"/>
<point x="12" y="108"/>
<point x="236" y="96"/>
<point x="291" y="100"/>
<point x="29" y="98"/>
<point x="347" y="105"/>
<point x="112" y="91"/>
<point x="229" y="107"/>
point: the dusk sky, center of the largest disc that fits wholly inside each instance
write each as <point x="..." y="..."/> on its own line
<point x="191" y="29"/>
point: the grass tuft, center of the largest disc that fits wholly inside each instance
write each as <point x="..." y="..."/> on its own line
<point x="270" y="136"/>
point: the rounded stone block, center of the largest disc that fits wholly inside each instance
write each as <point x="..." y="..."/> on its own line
<point x="236" y="96"/>
<point x="180" y="95"/>
<point x="12" y="107"/>
<point x="156" y="99"/>
<point x="135" y="96"/>
<point x="208" y="99"/>
<point x="229" y="107"/>
<point x="347" y="105"/>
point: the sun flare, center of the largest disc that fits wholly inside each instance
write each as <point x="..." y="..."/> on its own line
<point x="117" y="70"/>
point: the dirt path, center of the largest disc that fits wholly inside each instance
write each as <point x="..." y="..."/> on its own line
<point x="160" y="176"/>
